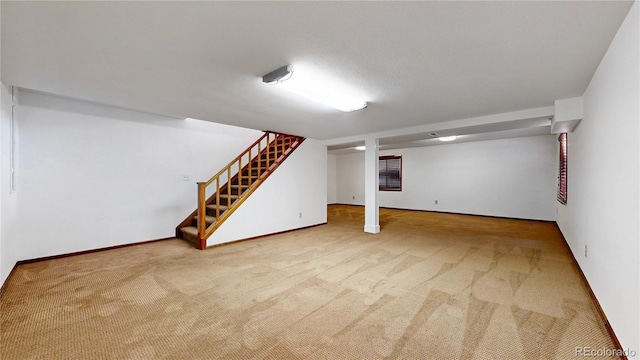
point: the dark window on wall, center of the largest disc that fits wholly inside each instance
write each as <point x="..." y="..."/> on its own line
<point x="562" y="169"/>
<point x="390" y="173"/>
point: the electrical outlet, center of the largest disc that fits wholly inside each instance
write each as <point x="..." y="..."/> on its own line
<point x="585" y="251"/>
<point x="300" y="215"/>
<point x="354" y="197"/>
<point x="185" y="177"/>
<point x="436" y="202"/>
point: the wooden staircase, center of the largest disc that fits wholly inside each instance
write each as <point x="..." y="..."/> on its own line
<point x="219" y="197"/>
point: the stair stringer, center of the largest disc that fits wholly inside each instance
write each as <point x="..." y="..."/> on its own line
<point x="299" y="185"/>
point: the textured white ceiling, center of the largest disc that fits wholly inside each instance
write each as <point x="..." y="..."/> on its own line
<point x="416" y="63"/>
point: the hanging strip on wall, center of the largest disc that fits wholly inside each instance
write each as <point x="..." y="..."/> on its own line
<point x="12" y="168"/>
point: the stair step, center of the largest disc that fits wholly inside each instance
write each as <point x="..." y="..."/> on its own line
<point x="275" y="151"/>
<point x="263" y="165"/>
<point x="254" y="171"/>
<point x="212" y="208"/>
<point x="190" y="233"/>
<point x="207" y="218"/>
<point x="235" y="189"/>
<point x="272" y="157"/>
<point x="232" y="197"/>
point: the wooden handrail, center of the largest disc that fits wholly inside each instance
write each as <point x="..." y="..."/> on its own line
<point x="266" y="135"/>
<point x="288" y="143"/>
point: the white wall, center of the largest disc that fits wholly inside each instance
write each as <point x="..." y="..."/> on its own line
<point x="9" y="251"/>
<point x="603" y="208"/>
<point x="93" y="176"/>
<point x="2" y="131"/>
<point x="350" y="178"/>
<point x="332" y="192"/>
<point x="298" y="186"/>
<point x="507" y="178"/>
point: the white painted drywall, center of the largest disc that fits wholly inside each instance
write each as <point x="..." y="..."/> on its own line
<point x="294" y="196"/>
<point x="9" y="253"/>
<point x="350" y="178"/>
<point x="2" y="154"/>
<point x="603" y="208"/>
<point x="508" y="178"/>
<point x="93" y="176"/>
<point x="332" y="194"/>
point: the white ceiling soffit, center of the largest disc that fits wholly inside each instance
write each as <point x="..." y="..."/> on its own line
<point x="481" y="132"/>
<point x="415" y="63"/>
<point x="496" y="135"/>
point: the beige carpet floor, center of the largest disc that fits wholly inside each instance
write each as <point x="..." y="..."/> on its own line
<point x="429" y="286"/>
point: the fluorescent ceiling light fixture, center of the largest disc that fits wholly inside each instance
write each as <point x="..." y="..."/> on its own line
<point x="278" y="75"/>
<point x="360" y="148"/>
<point x="447" y="138"/>
<point x="314" y="87"/>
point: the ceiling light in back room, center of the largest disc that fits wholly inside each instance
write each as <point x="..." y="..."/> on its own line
<point x="361" y="148"/>
<point x="313" y="86"/>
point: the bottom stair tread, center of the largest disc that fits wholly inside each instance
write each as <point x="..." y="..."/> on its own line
<point x="190" y="233"/>
<point x="191" y="230"/>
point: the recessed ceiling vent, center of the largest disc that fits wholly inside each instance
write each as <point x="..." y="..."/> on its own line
<point x="434" y="135"/>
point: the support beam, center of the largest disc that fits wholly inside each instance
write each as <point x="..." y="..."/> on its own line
<point x="422" y="131"/>
<point x="568" y="113"/>
<point x="371" y="208"/>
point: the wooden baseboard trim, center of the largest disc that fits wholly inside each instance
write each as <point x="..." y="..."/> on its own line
<point x="29" y="261"/>
<point x="89" y="251"/>
<point x="263" y="236"/>
<point x="593" y="297"/>
<point x="452" y="213"/>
